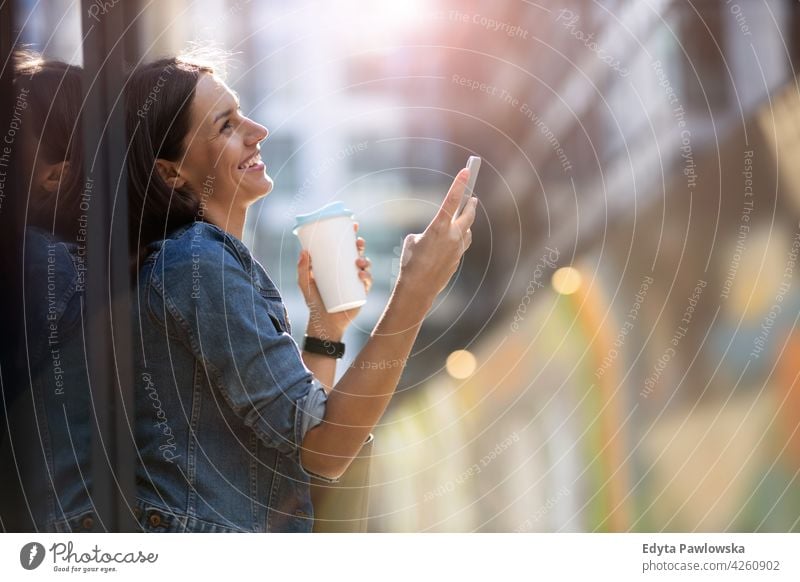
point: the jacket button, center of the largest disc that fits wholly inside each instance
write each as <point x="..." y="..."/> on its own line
<point x="88" y="522"/>
<point x="137" y="512"/>
<point x="155" y="519"/>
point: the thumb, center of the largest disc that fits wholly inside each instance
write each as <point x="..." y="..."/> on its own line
<point x="304" y="271"/>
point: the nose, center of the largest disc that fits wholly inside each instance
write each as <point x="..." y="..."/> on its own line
<point x="256" y="132"/>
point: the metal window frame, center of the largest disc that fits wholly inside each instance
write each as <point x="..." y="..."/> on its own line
<point x="10" y="262"/>
<point x="108" y="287"/>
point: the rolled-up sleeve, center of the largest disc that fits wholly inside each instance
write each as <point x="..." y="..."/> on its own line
<point x="233" y="331"/>
<point x="310" y="412"/>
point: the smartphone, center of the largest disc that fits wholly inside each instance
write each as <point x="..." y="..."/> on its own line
<point x="473" y="165"/>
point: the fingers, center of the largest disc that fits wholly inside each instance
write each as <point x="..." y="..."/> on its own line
<point x="361" y="245"/>
<point x="450" y="203"/>
<point x="364" y="265"/>
<point x="467" y="216"/>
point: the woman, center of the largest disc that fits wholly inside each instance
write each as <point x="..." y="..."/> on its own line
<point x="232" y="417"/>
<point x="46" y="456"/>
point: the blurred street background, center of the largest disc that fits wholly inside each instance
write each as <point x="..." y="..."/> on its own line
<point x="619" y="350"/>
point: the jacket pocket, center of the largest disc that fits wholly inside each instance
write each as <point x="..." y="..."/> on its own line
<point x="153" y="519"/>
<point x="278" y="315"/>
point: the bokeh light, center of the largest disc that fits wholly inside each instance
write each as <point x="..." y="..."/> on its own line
<point x="566" y="280"/>
<point x="461" y="364"/>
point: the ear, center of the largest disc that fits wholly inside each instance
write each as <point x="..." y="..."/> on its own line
<point x="55" y="174"/>
<point x="169" y="173"/>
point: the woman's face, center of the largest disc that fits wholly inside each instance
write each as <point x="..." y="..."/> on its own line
<point x="222" y="163"/>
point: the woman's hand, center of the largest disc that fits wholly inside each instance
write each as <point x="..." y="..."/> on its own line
<point x="324" y="325"/>
<point x="430" y="259"/>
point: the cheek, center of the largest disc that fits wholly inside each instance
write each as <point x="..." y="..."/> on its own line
<point x="37" y="170"/>
<point x="226" y="156"/>
<point x="199" y="163"/>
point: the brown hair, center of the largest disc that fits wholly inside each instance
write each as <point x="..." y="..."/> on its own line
<point x="158" y="104"/>
<point x="52" y="95"/>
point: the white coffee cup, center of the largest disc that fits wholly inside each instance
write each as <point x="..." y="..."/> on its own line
<point x="330" y="238"/>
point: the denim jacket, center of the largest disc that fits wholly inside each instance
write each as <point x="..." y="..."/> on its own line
<point x="223" y="398"/>
<point x="46" y="455"/>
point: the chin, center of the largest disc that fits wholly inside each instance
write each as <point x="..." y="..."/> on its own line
<point x="268" y="184"/>
<point x="259" y="190"/>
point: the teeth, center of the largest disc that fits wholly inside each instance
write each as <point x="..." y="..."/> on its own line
<point x="251" y="162"/>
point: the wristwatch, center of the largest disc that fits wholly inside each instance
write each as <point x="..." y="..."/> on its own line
<point x="328" y="348"/>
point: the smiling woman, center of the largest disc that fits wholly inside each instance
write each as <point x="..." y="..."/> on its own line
<point x="206" y="146"/>
<point x="231" y="419"/>
<point x="194" y="170"/>
<point x="223" y="148"/>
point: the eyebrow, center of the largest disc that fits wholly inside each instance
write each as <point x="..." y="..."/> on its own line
<point x="225" y="113"/>
<point x="228" y="111"/>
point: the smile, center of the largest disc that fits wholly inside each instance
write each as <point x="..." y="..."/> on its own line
<point x="252" y="163"/>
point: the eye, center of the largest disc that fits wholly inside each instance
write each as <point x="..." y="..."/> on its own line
<point x="226" y="126"/>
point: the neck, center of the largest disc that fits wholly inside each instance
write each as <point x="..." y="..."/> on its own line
<point x="230" y="219"/>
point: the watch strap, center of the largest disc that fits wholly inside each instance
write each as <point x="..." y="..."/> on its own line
<point x="323" y="347"/>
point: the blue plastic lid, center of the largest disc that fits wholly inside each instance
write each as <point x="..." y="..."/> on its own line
<point x="332" y="210"/>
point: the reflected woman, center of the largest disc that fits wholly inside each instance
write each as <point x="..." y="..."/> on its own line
<point x="46" y="454"/>
<point x="233" y="418"/>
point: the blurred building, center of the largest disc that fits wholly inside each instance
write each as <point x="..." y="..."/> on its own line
<point x="650" y="145"/>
